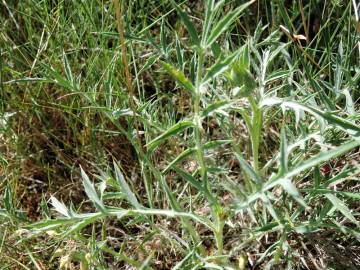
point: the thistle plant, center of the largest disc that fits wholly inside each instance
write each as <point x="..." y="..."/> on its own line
<point x="261" y="127"/>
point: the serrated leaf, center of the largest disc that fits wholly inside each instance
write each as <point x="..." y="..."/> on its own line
<point x="210" y="9"/>
<point x="248" y="169"/>
<point x="240" y="74"/>
<point x="91" y="192"/>
<point x="60" y="207"/>
<point x="275" y="52"/>
<point x="125" y="189"/>
<point x="186" y="153"/>
<point x="269" y="206"/>
<point x="279" y="74"/>
<point x="350" y="107"/>
<point x="344" y="124"/>
<point x="340" y="205"/>
<point x="189" y="178"/>
<point x="292" y="190"/>
<point x="49" y="224"/>
<point x="316" y="160"/>
<point x="337" y="121"/>
<point x="338" y="69"/>
<point x="175" y="205"/>
<point x="308" y="164"/>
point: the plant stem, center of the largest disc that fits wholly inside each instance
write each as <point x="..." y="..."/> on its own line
<point x="216" y="212"/>
<point x="257" y="117"/>
<point x="197" y="120"/>
<point x="219" y="236"/>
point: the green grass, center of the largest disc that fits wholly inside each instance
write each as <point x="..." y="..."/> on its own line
<point x="179" y="135"/>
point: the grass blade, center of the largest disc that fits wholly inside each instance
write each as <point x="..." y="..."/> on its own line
<point x="178" y="127"/>
<point x="67" y="69"/>
<point x="188" y="24"/>
<point x="283" y="153"/>
<point x="190" y="151"/>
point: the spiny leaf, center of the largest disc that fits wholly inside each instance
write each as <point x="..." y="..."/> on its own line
<point x="292" y="190"/>
<point x="240" y="74"/>
<point x="346" y="125"/>
<point x="269" y="206"/>
<point x="125" y="189"/>
<point x="248" y="169"/>
<point x="198" y="185"/>
<point x="340" y="205"/>
<point x="49" y="224"/>
<point x="186" y="153"/>
<point x="91" y="192"/>
<point x="337" y="121"/>
<point x="77" y="227"/>
<point x="316" y="160"/>
<point x="60" y="207"/>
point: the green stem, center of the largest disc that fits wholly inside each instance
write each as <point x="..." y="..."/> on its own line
<point x="215" y="209"/>
<point x="255" y="133"/>
<point x="219" y="236"/>
<point x="197" y="119"/>
<point x="199" y="148"/>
